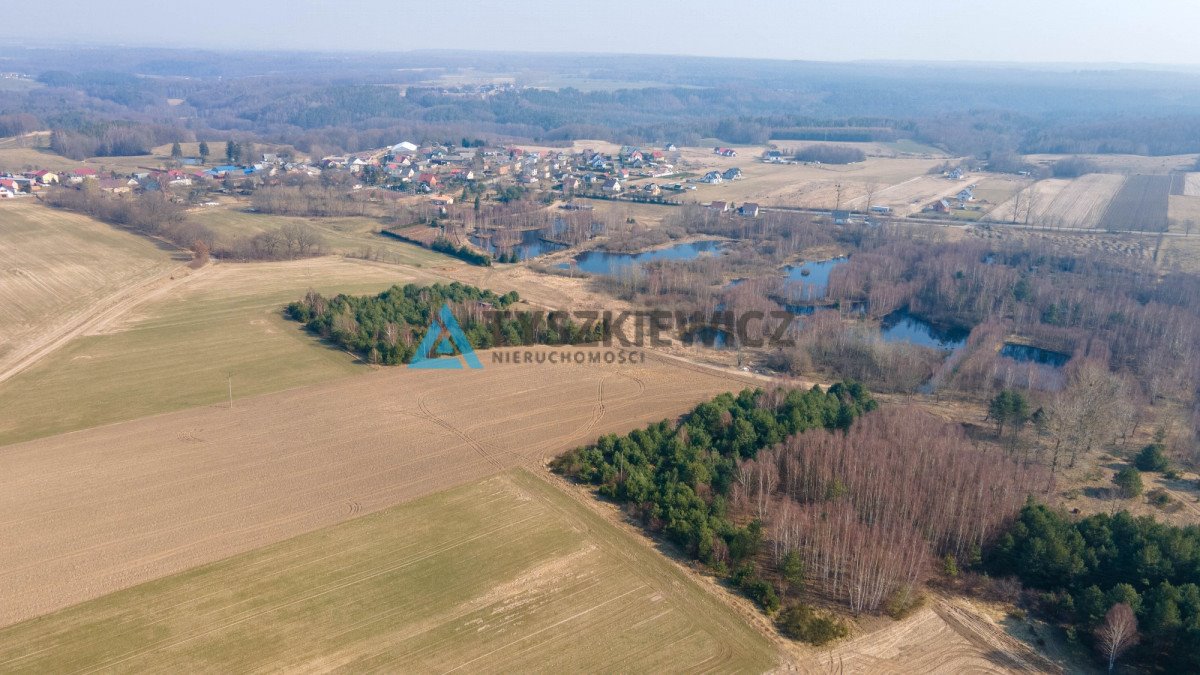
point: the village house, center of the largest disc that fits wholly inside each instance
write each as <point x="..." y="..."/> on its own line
<point x="570" y="184"/>
<point x="79" y="175"/>
<point x="612" y="186"/>
<point x="116" y="186"/>
<point x="722" y="207"/>
<point x="45" y="177"/>
<point x="652" y="189"/>
<point x="732" y="174"/>
<point x="748" y="210"/>
<point x="940" y="206"/>
<point x="712" y="178"/>
<point x="725" y="152"/>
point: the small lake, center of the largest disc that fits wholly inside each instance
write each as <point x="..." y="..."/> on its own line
<point x="1029" y="353"/>
<point x="813" y="275"/>
<point x="608" y="263"/>
<point x="531" y="245"/>
<point x="903" y="327"/>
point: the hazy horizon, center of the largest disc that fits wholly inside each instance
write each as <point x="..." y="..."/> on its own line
<point x="1152" y="33"/>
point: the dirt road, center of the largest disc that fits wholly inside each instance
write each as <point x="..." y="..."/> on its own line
<point x="93" y="318"/>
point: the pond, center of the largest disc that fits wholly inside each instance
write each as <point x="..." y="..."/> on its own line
<point x="608" y="263"/>
<point x="708" y="336"/>
<point x="813" y="275"/>
<point x="903" y="327"/>
<point x="531" y="245"/>
<point x="1028" y="353"/>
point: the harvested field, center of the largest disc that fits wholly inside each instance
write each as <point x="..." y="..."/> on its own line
<point x="1061" y="202"/>
<point x="506" y="574"/>
<point x="1191" y="185"/>
<point x="807" y="185"/>
<point x="1081" y="203"/>
<point x="1126" y="164"/>
<point x="57" y="267"/>
<point x="88" y="513"/>
<point x="1141" y="205"/>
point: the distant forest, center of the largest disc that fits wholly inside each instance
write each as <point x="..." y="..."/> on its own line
<point x="323" y="105"/>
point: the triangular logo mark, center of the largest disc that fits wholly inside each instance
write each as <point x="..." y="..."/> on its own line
<point x="444" y="338"/>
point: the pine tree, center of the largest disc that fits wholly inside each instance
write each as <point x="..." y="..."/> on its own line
<point x="176" y="150"/>
<point x="203" y="151"/>
<point x="231" y="151"/>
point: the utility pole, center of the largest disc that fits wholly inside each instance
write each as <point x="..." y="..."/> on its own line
<point x="229" y="378"/>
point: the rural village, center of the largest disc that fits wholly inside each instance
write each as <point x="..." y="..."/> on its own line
<point x="273" y="401"/>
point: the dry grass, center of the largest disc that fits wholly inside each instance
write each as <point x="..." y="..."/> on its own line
<point x="91" y="512"/>
<point x="1180" y="210"/>
<point x="506" y="574"/>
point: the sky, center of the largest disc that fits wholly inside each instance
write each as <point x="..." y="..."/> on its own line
<point x="1020" y="31"/>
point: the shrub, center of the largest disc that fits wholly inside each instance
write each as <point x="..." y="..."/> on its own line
<point x="1159" y="497"/>
<point x="800" y="622"/>
<point x="1153" y="457"/>
<point x="1129" y="481"/>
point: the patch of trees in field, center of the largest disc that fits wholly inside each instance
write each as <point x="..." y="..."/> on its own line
<point x="1073" y="167"/>
<point x="387" y="328"/>
<point x="830" y="154"/>
<point x="1086" y="567"/>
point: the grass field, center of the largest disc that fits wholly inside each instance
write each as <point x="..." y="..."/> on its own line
<point x="507" y="574"/>
<point x="353" y="235"/>
<point x="55" y="264"/>
<point x="175" y="352"/>
<point x="87" y="513"/>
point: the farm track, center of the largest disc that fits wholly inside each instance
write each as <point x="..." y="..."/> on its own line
<point x="94" y="318"/>
<point x="89" y="512"/>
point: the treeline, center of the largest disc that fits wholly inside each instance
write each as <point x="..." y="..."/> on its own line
<point x="681" y="480"/>
<point x="150" y="213"/>
<point x="830" y="154"/>
<point x="311" y="200"/>
<point x="18" y="123"/>
<point x="1087" y="566"/>
<point x="464" y="252"/>
<point x="111" y="139"/>
<point x="387" y="328"/>
<point x="157" y="214"/>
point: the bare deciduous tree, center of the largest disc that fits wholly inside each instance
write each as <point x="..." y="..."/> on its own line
<point x="1117" y="634"/>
